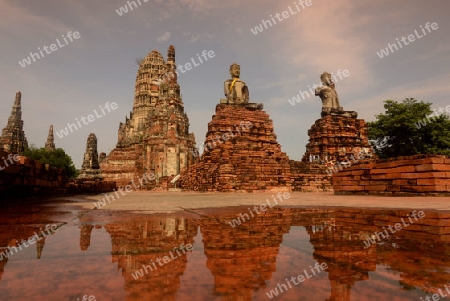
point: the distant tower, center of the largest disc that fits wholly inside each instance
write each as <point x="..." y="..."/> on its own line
<point x="13" y="137"/>
<point x="91" y="167"/>
<point x="50" y="144"/>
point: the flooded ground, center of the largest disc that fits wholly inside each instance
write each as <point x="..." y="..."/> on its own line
<point x="239" y="253"/>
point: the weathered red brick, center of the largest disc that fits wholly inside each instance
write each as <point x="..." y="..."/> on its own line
<point x="353" y="188"/>
<point x="358" y="172"/>
<point x="412" y="182"/>
<point x="393" y="175"/>
<point x="375" y="187"/>
<point x="387" y="164"/>
<point x="433" y="181"/>
<point x="348" y="183"/>
<point x="433" y="167"/>
<point x="422" y="175"/>
<point x="424" y="188"/>
<point x="378" y="177"/>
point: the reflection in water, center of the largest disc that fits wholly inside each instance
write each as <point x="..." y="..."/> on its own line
<point x="242" y="259"/>
<point x="10" y="242"/>
<point x="247" y="261"/>
<point x="143" y="240"/>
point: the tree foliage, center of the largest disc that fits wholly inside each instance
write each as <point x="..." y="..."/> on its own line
<point x="56" y="158"/>
<point x="408" y="129"/>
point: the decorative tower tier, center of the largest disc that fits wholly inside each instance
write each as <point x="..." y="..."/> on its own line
<point x="337" y="138"/>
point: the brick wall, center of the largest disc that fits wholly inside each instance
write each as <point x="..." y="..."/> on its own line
<point x="311" y="182"/>
<point x="307" y="177"/>
<point x="413" y="175"/>
<point x="80" y="186"/>
<point x="27" y="179"/>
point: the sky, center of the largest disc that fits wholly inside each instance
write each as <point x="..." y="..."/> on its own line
<point x="99" y="66"/>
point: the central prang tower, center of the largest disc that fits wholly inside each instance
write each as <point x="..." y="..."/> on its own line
<point x="155" y="138"/>
<point x="156" y="88"/>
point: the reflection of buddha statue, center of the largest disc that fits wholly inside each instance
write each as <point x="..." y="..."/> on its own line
<point x="236" y="91"/>
<point x="330" y="98"/>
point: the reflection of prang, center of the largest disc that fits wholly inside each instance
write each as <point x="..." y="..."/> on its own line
<point x="40" y="244"/>
<point x="242" y="259"/>
<point x="9" y="239"/>
<point x="2" y="267"/>
<point x="85" y="237"/>
<point x="139" y="241"/>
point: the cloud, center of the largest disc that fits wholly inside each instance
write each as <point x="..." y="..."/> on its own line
<point x="17" y="18"/>
<point x="328" y="47"/>
<point x="202" y="6"/>
<point x="164" y="38"/>
<point x="196" y="37"/>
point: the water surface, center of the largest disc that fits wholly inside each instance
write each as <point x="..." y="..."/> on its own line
<point x="103" y="253"/>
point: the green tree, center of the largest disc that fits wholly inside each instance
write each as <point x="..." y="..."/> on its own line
<point x="56" y="158"/>
<point x="408" y="128"/>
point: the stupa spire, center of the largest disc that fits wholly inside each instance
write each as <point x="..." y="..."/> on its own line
<point x="13" y="137"/>
<point x="50" y="144"/>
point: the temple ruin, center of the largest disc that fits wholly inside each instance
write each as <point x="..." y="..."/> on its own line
<point x="251" y="159"/>
<point x="91" y="167"/>
<point x="155" y="137"/>
<point x="338" y="135"/>
<point x="241" y="152"/>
